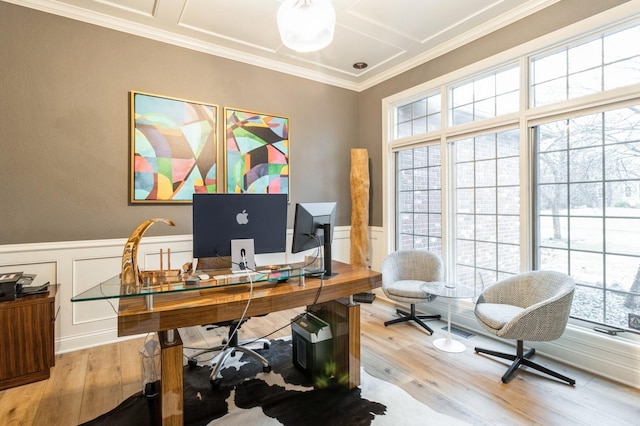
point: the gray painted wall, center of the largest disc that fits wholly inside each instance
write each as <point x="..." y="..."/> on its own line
<point x="64" y="119"/>
<point x="64" y="153"/>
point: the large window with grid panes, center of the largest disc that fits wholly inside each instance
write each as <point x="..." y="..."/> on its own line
<point x="532" y="164"/>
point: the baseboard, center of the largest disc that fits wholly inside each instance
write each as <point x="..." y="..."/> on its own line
<point x="86" y="340"/>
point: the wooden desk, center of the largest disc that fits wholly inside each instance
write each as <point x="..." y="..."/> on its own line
<point x="193" y="308"/>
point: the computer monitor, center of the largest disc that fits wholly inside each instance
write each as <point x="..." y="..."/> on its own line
<point x="220" y="218"/>
<point x="312" y="227"/>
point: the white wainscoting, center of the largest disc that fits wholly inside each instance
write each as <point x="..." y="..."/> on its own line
<point x="79" y="265"/>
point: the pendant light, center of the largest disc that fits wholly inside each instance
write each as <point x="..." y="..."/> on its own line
<point x="306" y="25"/>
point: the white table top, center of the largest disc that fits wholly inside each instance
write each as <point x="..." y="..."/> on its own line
<point x="451" y="290"/>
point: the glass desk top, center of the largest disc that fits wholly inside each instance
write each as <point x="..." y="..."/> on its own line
<point x="114" y="289"/>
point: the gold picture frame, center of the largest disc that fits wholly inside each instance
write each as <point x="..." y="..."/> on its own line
<point x="256" y="154"/>
<point x="173" y="149"/>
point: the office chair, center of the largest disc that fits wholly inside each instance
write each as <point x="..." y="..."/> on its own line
<point x="532" y="306"/>
<point x="232" y="344"/>
<point x="403" y="273"/>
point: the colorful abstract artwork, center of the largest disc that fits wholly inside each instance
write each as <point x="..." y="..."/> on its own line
<point x="257" y="152"/>
<point x="173" y="152"/>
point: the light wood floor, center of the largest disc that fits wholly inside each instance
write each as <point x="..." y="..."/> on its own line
<point x="86" y="383"/>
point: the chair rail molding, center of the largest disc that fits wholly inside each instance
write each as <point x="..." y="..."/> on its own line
<point x="79" y="265"/>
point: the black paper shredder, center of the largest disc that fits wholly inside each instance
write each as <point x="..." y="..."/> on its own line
<point x="312" y="344"/>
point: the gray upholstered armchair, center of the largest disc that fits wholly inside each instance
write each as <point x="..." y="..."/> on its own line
<point x="403" y="272"/>
<point x="532" y="306"/>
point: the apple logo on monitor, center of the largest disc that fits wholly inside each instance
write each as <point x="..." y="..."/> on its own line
<point x="242" y="218"/>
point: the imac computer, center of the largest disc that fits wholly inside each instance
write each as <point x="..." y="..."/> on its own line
<point x="220" y="218"/>
<point x="313" y="227"/>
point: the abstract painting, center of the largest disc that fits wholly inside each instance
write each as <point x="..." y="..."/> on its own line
<point x="257" y="152"/>
<point x="173" y="149"/>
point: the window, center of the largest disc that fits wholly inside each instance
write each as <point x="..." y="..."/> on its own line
<point x="487" y="206"/>
<point x="485" y="97"/>
<point x="579" y="166"/>
<point x="418" y="117"/>
<point x="419" y="192"/>
<point x="588" y="210"/>
<point x="606" y="62"/>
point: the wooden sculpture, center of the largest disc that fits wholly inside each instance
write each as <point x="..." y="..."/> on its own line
<point x="130" y="274"/>
<point x="359" y="178"/>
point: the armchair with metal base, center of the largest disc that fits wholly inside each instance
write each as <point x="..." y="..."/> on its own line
<point x="403" y="273"/>
<point x="532" y="306"/>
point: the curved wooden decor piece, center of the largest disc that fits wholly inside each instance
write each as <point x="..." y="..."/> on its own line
<point x="130" y="272"/>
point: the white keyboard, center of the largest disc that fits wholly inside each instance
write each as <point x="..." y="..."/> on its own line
<point x="237" y="275"/>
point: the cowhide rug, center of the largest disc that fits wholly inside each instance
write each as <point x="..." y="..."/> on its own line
<point x="247" y="396"/>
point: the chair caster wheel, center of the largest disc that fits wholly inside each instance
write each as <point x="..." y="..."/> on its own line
<point x="215" y="383"/>
<point x="192" y="362"/>
<point x="266" y="369"/>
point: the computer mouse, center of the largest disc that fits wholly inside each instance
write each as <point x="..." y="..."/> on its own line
<point x="203" y="276"/>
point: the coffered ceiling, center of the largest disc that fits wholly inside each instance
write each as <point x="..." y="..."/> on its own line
<point x="391" y="36"/>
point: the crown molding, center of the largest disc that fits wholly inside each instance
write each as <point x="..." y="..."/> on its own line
<point x="71" y="12"/>
<point x="495" y="24"/>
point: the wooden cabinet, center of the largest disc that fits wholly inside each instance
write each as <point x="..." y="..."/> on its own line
<point x="27" y="333"/>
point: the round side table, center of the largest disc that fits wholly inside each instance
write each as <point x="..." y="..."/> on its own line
<point x="449" y="291"/>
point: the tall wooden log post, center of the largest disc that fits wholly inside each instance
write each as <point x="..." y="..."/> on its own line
<point x="359" y="179"/>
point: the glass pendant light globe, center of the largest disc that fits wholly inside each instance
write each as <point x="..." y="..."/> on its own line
<point x="306" y="25"/>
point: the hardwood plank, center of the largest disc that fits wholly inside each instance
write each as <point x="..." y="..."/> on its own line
<point x="623" y="403"/>
<point x="104" y="379"/>
<point x="18" y="406"/>
<point x="62" y="398"/>
<point x="438" y="400"/>
<point x="130" y="370"/>
<point x="196" y="338"/>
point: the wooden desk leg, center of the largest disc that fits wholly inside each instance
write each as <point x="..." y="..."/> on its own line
<point x="354" y="345"/>
<point x="344" y="319"/>
<point x="171" y="384"/>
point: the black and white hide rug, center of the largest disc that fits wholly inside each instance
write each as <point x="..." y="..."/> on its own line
<point x="247" y="396"/>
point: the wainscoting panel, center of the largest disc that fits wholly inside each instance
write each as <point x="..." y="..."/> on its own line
<point x="88" y="272"/>
<point x="79" y="265"/>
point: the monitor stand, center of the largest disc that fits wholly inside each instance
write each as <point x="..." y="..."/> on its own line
<point x="242" y="255"/>
<point x="327" y="251"/>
